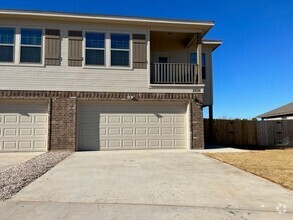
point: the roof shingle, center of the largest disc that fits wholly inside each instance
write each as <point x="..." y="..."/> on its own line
<point x="284" y="110"/>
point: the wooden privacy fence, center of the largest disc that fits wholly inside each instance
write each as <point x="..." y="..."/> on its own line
<point x="250" y="133"/>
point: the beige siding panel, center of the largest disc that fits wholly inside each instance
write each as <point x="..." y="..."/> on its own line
<point x="64" y="78"/>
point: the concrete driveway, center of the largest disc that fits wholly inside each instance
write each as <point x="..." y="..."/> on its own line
<point x="8" y="160"/>
<point x="154" y="184"/>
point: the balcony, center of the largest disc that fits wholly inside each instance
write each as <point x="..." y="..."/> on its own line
<point x="174" y="73"/>
<point x="174" y="60"/>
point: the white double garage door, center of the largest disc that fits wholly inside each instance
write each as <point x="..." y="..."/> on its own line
<point x="133" y="125"/>
<point x="24" y="125"/>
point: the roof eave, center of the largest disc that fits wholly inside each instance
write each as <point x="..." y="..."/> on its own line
<point x="274" y="116"/>
<point x="214" y="44"/>
<point x="106" y="18"/>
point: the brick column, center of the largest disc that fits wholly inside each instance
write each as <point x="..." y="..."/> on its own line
<point x="197" y="124"/>
<point x="63" y="124"/>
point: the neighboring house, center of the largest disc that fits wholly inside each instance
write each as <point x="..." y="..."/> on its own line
<point x="91" y="82"/>
<point x="281" y="113"/>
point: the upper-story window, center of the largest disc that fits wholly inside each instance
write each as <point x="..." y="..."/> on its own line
<point x="193" y="60"/>
<point x="95" y="49"/>
<point x="31" y="46"/>
<point x="120" y="49"/>
<point x="7" y="44"/>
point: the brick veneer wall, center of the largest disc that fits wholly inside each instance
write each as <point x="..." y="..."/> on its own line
<point x="197" y="128"/>
<point x="63" y="124"/>
<point x="63" y="111"/>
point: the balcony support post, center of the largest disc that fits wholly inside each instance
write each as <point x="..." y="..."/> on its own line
<point x="199" y="58"/>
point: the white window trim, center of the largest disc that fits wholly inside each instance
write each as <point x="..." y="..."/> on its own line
<point x="107" y="50"/>
<point x="41" y="46"/>
<point x="17" y="47"/>
<point x="129" y="50"/>
<point x="85" y="48"/>
<point x="13" y="45"/>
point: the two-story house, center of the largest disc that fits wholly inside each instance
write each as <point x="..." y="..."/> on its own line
<point x="92" y="82"/>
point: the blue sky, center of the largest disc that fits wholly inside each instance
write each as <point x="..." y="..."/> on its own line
<point x="253" y="70"/>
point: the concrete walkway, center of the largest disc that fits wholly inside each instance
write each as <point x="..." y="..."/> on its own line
<point x="8" y="160"/>
<point x="154" y="184"/>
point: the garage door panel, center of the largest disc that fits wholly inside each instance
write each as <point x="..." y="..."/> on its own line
<point x="179" y="131"/>
<point x="23" y="126"/>
<point x="128" y="119"/>
<point x="9" y="132"/>
<point x="154" y="131"/>
<point x="25" y="145"/>
<point x="40" y="144"/>
<point x="181" y="143"/>
<point x="153" y="119"/>
<point x="154" y="143"/>
<point x="25" y="132"/>
<point x="127" y="131"/>
<point x="131" y="126"/>
<point x="113" y="131"/>
<point x="26" y="120"/>
<point x="9" y="145"/>
<point x="10" y="119"/>
<point x="167" y="143"/>
<point x="113" y="119"/>
<point x="141" y="143"/>
<point x="40" y="119"/>
<point x="40" y="131"/>
<point x="129" y="143"/>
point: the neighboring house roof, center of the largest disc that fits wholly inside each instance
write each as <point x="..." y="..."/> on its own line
<point x="203" y="25"/>
<point x="284" y="110"/>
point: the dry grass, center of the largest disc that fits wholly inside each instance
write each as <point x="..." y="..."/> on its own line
<point x="274" y="165"/>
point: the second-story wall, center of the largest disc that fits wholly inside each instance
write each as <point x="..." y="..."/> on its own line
<point x="68" y="78"/>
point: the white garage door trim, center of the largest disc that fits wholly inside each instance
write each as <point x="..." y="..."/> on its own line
<point x="24" y="125"/>
<point x="133" y="125"/>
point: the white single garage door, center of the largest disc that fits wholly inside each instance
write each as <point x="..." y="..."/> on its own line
<point x="107" y="126"/>
<point x="23" y="126"/>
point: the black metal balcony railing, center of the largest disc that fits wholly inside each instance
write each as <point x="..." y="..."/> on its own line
<point x="174" y="73"/>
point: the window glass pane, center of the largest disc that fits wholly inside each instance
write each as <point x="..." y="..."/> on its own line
<point x="6" y="36"/>
<point x="120" y="41"/>
<point x="163" y="59"/>
<point x="203" y="72"/>
<point x="95" y="40"/>
<point x="31" y="37"/>
<point x="193" y="58"/>
<point x="95" y="57"/>
<point x="119" y="58"/>
<point x="6" y="53"/>
<point x="30" y="55"/>
<point x="203" y="59"/>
